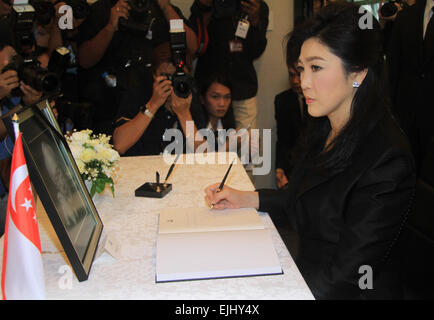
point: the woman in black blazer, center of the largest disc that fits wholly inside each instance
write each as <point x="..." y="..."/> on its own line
<point x="352" y="185"/>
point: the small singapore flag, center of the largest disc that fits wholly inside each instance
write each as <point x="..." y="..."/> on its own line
<point x="22" y="273"/>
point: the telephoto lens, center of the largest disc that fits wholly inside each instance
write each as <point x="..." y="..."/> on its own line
<point x="182" y="85"/>
<point x="33" y="75"/>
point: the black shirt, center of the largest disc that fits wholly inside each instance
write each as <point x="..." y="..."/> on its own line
<point x="125" y="46"/>
<point x="290" y="120"/>
<point x="239" y="65"/>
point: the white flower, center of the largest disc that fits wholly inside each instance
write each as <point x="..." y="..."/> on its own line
<point x="94" y="155"/>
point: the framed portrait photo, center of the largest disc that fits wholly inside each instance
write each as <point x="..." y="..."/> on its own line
<point x="61" y="189"/>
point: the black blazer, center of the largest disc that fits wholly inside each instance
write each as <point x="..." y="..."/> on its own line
<point x="352" y="218"/>
<point x="289" y="123"/>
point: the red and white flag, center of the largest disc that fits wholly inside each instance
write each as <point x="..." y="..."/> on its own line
<point x="22" y="274"/>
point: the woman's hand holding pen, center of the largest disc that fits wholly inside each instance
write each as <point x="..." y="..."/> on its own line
<point x="230" y="198"/>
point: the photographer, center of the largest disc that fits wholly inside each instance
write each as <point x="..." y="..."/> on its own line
<point x="140" y="126"/>
<point x="224" y="44"/>
<point x="8" y="81"/>
<point x="74" y="112"/>
<point x="115" y="45"/>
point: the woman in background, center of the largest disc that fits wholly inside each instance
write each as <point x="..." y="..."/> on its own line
<point x="216" y="99"/>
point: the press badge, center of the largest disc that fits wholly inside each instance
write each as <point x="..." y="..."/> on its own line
<point x="242" y="29"/>
<point x="235" y="46"/>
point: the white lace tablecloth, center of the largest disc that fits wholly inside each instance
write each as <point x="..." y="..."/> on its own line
<point x="133" y="222"/>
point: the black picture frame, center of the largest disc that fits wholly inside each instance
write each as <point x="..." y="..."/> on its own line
<point x="58" y="183"/>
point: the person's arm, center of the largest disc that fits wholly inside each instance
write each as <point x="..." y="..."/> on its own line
<point x="91" y="51"/>
<point x="170" y="14"/>
<point x="374" y="215"/>
<point x="127" y="135"/>
<point x="55" y="40"/>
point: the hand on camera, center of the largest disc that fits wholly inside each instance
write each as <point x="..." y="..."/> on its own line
<point x="120" y="9"/>
<point x="8" y="81"/>
<point x="30" y="95"/>
<point x="252" y="7"/>
<point x="162" y="88"/>
<point x="180" y="106"/>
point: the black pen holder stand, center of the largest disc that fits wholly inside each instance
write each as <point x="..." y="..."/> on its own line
<point x="153" y="190"/>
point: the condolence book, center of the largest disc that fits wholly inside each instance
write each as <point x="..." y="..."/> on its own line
<point x="199" y="243"/>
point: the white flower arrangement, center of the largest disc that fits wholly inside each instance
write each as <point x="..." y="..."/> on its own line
<point x="96" y="159"/>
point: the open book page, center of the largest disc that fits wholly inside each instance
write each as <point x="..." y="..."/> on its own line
<point x="179" y="220"/>
<point x="204" y="255"/>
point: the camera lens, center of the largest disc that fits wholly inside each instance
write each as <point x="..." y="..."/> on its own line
<point x="49" y="82"/>
<point x="182" y="85"/>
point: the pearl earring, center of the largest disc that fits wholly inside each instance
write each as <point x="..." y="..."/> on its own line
<point x="356" y="84"/>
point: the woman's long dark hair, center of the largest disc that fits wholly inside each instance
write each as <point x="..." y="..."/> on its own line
<point x="228" y="120"/>
<point x="338" y="27"/>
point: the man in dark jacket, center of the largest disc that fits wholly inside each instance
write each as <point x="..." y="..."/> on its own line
<point x="411" y="67"/>
<point x="290" y="112"/>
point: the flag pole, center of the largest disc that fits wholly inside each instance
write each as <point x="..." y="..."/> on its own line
<point x="15" y="123"/>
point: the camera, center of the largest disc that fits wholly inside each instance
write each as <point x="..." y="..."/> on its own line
<point x="140" y="19"/>
<point x="22" y="18"/>
<point x="33" y="75"/>
<point x="389" y="9"/>
<point x="182" y="82"/>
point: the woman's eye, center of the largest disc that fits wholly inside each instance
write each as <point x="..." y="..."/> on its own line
<point x="315" y="68"/>
<point x="299" y="69"/>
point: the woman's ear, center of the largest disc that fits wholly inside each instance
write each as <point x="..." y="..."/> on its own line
<point x="359" y="76"/>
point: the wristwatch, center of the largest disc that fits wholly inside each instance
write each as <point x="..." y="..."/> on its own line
<point x="144" y="110"/>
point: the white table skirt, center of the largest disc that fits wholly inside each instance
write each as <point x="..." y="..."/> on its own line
<point x="133" y="222"/>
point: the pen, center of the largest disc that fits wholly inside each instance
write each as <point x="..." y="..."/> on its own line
<point x="171" y="169"/>
<point x="158" y="180"/>
<point x="220" y="188"/>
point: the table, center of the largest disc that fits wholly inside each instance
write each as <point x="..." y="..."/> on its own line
<point x="133" y="222"/>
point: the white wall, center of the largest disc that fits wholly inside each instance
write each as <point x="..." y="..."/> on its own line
<point x="271" y="69"/>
